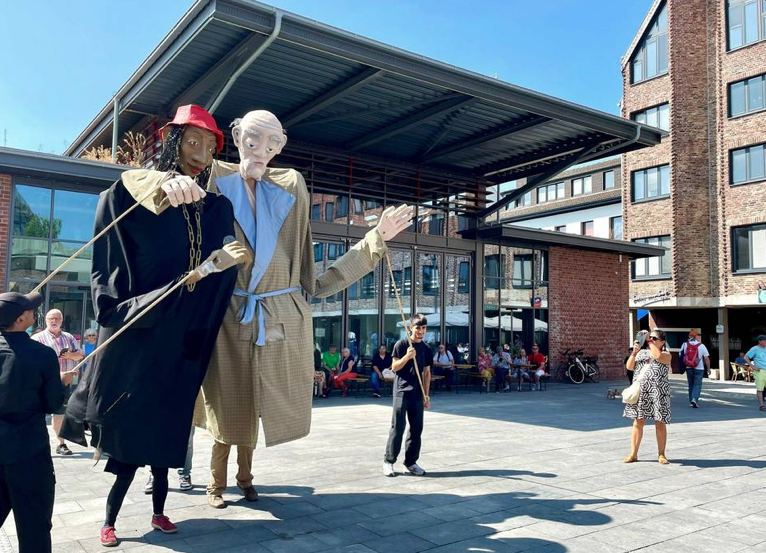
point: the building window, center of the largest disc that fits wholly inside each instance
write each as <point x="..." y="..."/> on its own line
<point x="334" y="251"/>
<point x="316" y="211"/>
<point x="651" y="57"/>
<point x="747" y="22"/>
<point x="747" y="96"/>
<point x="651" y="183"/>
<point x="551" y="192"/>
<point x="562" y="228"/>
<point x="494" y="271"/>
<point x="747" y="164"/>
<point x="430" y="280"/>
<point x="615" y="228"/>
<point x="587" y="228"/>
<point x="582" y="186"/>
<point x="368" y="285"/>
<point x="749" y="248"/>
<point x="403" y="282"/>
<point x="318" y="252"/>
<point x="522" y="271"/>
<point x="329" y="208"/>
<point x="464" y="278"/>
<point x="608" y="180"/>
<point x="658" y="116"/>
<point x="653" y="267"/>
<point x="48" y="226"/>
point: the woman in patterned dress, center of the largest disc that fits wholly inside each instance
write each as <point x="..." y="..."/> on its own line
<point x="651" y="365"/>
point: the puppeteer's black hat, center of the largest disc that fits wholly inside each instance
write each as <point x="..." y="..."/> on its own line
<point x="13" y="304"/>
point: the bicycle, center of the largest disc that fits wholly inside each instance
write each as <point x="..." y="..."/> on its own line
<point x="578" y="370"/>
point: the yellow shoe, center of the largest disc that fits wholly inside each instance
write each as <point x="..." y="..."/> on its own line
<point x="630" y="459"/>
<point x="663" y="460"/>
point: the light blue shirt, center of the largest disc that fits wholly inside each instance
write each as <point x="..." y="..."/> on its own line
<point x="757" y="355"/>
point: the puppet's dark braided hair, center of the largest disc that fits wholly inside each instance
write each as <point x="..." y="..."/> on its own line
<point x="171" y="155"/>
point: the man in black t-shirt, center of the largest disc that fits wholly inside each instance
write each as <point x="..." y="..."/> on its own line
<point x="408" y="398"/>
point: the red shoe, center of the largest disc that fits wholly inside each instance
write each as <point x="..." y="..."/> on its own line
<point x="108" y="539"/>
<point x="163" y="524"/>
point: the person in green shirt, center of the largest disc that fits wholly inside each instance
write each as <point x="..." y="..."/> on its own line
<point x="330" y="361"/>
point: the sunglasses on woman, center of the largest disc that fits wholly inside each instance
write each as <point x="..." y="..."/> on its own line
<point x="655" y="339"/>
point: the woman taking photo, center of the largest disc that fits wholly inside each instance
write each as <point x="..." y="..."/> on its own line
<point x="650" y="363"/>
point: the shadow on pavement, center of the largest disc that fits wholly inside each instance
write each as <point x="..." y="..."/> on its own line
<point x="302" y="520"/>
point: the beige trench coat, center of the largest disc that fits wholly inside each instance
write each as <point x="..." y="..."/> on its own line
<point x="246" y="383"/>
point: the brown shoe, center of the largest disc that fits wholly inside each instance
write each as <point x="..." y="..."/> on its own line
<point x="251" y="494"/>
<point x="216" y="502"/>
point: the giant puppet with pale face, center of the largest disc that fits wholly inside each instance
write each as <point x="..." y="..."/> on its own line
<point x="262" y="365"/>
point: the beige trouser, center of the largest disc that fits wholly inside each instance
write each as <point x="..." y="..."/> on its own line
<point x="218" y="461"/>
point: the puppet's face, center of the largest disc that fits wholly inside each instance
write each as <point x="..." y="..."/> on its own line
<point x="258" y="137"/>
<point x="196" y="151"/>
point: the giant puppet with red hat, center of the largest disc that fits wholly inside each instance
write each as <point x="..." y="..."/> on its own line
<point x="158" y="317"/>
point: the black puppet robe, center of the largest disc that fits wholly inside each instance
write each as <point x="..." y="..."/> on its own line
<point x="139" y="392"/>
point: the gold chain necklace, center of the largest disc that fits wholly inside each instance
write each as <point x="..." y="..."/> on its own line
<point x="195" y="249"/>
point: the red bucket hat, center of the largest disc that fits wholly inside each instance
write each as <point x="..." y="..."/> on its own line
<point x="196" y="117"/>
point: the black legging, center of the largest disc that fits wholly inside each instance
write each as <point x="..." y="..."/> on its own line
<point x="120" y="489"/>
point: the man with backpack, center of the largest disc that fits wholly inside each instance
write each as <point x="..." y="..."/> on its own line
<point x="695" y="361"/>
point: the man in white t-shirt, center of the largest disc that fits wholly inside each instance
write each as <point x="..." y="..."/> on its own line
<point x="695" y="359"/>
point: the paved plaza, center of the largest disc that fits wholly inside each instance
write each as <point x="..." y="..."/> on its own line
<point x="530" y="471"/>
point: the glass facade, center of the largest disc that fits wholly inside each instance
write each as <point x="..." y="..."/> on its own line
<point x="48" y="225"/>
<point x="515" y="297"/>
<point x="651" y="57"/>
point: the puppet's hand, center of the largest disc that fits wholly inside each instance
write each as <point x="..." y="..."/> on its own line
<point x="394" y="220"/>
<point x="182" y="190"/>
<point x="233" y="253"/>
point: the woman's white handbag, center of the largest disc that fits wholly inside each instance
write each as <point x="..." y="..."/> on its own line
<point x="631" y="393"/>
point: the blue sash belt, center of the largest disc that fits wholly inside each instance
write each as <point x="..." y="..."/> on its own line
<point x="253" y="300"/>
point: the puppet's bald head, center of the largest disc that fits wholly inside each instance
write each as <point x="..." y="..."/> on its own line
<point x="259" y="137"/>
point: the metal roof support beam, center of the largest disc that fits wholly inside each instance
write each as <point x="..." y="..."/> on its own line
<point x="115" y="128"/>
<point x="333" y="95"/>
<point x="535" y="157"/>
<point x="217" y="98"/>
<point x="219" y="71"/>
<point x="483" y="138"/>
<point x="555" y="169"/>
<point x="408" y="123"/>
<point x="379" y="109"/>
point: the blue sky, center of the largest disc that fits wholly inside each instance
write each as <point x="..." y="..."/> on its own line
<point x="62" y="61"/>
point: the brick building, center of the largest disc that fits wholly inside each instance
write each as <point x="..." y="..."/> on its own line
<point x="696" y="69"/>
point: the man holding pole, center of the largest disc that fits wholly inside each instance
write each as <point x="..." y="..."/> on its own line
<point x="412" y="365"/>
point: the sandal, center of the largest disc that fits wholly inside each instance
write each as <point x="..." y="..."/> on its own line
<point x="630" y="459"/>
<point x="663" y="460"/>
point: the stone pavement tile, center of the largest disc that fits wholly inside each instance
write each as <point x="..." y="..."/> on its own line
<point x="740" y="504"/>
<point x="450" y="532"/>
<point x="697" y="542"/>
<point x="73" y="533"/>
<point x="399" y="523"/>
<point x="562" y="530"/>
<point x="501" y="521"/>
<point x="399" y="505"/>
<point x="587" y="544"/>
<point x="451" y="512"/>
<point x="295" y="527"/>
<point x="68" y="547"/>
<point x="346" y="535"/>
<point x="176" y="545"/>
<point x="399" y="543"/>
<point x="340" y="517"/>
<point x="64" y="507"/>
<point x="294" y="509"/>
<point x="307" y="543"/>
<point x="356" y="548"/>
<point x="632" y="536"/>
<point x="750" y="530"/>
<point x="331" y="502"/>
<point x="228" y="539"/>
